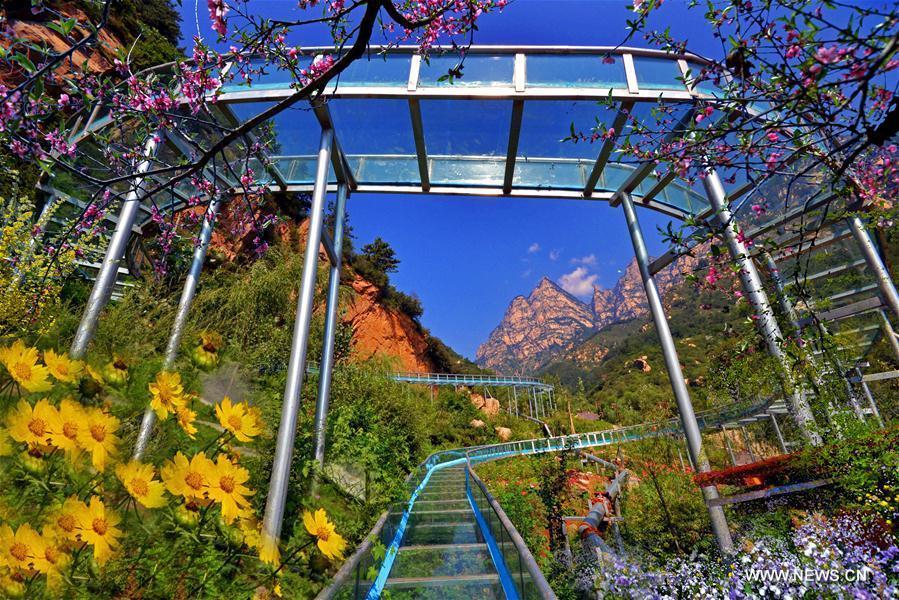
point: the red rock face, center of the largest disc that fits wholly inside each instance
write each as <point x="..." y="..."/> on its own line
<point x="550" y="321"/>
<point x="378" y="330"/>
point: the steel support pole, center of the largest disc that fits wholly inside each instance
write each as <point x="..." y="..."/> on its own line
<point x="889" y="333"/>
<point x="730" y="450"/>
<point x="327" y="366"/>
<point x="676" y="377"/>
<point x="748" y="443"/>
<point x="758" y="299"/>
<point x="287" y="428"/>
<point x="109" y="270"/>
<point x="780" y="437"/>
<point x="515" y="397"/>
<point x="187" y="298"/>
<point x="875" y="263"/>
<point x="869" y="396"/>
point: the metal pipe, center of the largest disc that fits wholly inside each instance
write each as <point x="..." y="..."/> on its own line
<point x="187" y="297"/>
<point x="758" y="299"/>
<point x="324" y="377"/>
<point x="287" y="428"/>
<point x="730" y="450"/>
<point x="869" y="396"/>
<point x="780" y="437"/>
<point x="747" y="442"/>
<point x="875" y="263"/>
<point x="675" y="375"/>
<point x="889" y="333"/>
<point x="109" y="270"/>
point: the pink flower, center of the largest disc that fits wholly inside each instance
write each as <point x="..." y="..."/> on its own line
<point x="712" y="277"/>
<point x="217" y="11"/>
<point x="758" y="209"/>
<point x="827" y="55"/>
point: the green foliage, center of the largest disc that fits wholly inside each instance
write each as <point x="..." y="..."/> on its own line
<point x="381" y="256"/>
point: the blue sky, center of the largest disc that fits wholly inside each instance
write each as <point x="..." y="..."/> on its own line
<point x="466" y="258"/>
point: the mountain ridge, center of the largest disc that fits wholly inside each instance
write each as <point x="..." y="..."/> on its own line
<point x="539" y="327"/>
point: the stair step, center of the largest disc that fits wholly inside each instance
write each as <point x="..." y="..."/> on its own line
<point x="442" y="560"/>
<point x="442" y="581"/>
<point x="423" y="534"/>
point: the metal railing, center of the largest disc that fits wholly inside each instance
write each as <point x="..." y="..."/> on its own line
<point x="517" y="568"/>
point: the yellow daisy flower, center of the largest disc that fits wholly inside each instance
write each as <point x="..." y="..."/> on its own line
<point x="329" y="542"/>
<point x="12" y="585"/>
<point x="22" y="365"/>
<point x="188" y="478"/>
<point x="32" y="425"/>
<point x="186" y="418"/>
<point x="206" y="354"/>
<point x="226" y="486"/>
<point x="50" y="558"/>
<point x="168" y="394"/>
<point x="18" y="550"/>
<point x="240" y="419"/>
<point x="98" y="528"/>
<point x="64" y="425"/>
<point x="97" y="435"/>
<point x="64" y="520"/>
<point x="138" y="480"/>
<point x="62" y="367"/>
<point x="268" y="549"/>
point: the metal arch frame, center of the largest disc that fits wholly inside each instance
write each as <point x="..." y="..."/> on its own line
<point x="518" y="91"/>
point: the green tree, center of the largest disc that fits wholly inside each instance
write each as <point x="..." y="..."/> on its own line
<point x="381" y="256"/>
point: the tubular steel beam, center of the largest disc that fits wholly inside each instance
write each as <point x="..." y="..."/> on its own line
<point x="875" y="263"/>
<point x="608" y="146"/>
<point x="869" y="397"/>
<point x="758" y="299"/>
<point x="512" y="149"/>
<point x="287" y="428"/>
<point x="675" y="374"/>
<point x="106" y="278"/>
<point x="889" y="333"/>
<point x="780" y="437"/>
<point x="327" y="366"/>
<point x="187" y="298"/>
<point x="421" y="149"/>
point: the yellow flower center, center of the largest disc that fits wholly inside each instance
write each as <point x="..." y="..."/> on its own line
<point x="100" y="526"/>
<point x="51" y="554"/>
<point x="22" y="371"/>
<point x="70" y="430"/>
<point x="66" y="522"/>
<point x="18" y="551"/>
<point x="322" y="533"/>
<point x="235" y="422"/>
<point x="227" y="484"/>
<point x="62" y="369"/>
<point x="194" y="480"/>
<point x="98" y="432"/>
<point x="37" y="426"/>
<point x="139" y="487"/>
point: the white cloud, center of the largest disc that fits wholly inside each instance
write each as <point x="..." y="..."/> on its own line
<point x="526" y="274"/>
<point x="534" y="248"/>
<point x="555" y="254"/>
<point x="588" y="260"/>
<point x="579" y="282"/>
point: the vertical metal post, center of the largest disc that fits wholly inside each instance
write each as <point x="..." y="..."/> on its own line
<point x="780" y="437"/>
<point x="875" y="263"/>
<point x="730" y="450"/>
<point x="187" y="297"/>
<point x="748" y="443"/>
<point x="327" y="366"/>
<point x="889" y="333"/>
<point x="869" y="396"/>
<point x="515" y="397"/>
<point x="109" y="270"/>
<point x="758" y="299"/>
<point x="287" y="428"/>
<point x="675" y="375"/>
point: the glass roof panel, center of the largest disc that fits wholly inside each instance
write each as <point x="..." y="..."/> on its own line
<point x="390" y="70"/>
<point x="575" y="71"/>
<point x="658" y="73"/>
<point x="478" y="70"/>
<point x="702" y="81"/>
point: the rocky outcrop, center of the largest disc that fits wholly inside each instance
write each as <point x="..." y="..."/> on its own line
<point x="378" y="330"/>
<point x="488" y="406"/>
<point x="549" y="322"/>
<point x="535" y="328"/>
<point x="503" y="433"/>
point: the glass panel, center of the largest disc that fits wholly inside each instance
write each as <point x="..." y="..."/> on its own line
<point x="702" y="80"/>
<point x="658" y="73"/>
<point x="477" y="70"/>
<point x="575" y="70"/>
<point x="377" y="70"/>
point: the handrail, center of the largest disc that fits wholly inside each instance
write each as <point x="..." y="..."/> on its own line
<point x="350" y="565"/>
<point x="523" y="551"/>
